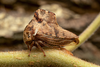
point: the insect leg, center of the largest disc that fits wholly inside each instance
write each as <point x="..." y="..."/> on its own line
<point x="28" y="46"/>
<point x="31" y="47"/>
<point x="66" y="51"/>
<point x="40" y="48"/>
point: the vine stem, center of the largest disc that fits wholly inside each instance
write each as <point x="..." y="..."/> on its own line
<point x="86" y="34"/>
<point x="54" y="58"/>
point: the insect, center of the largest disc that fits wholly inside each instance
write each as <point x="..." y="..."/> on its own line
<point x="44" y="31"/>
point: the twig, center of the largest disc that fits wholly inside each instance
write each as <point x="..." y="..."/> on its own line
<point x="86" y="34"/>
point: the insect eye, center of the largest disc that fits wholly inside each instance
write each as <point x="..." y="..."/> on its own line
<point x="28" y="34"/>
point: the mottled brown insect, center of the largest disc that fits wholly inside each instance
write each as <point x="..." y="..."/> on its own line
<point x="43" y="30"/>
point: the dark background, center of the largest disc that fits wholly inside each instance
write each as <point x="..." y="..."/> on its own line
<point x="73" y="15"/>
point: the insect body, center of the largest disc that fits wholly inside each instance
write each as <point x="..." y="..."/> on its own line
<point x="43" y="30"/>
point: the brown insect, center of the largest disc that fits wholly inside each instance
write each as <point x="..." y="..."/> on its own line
<point x="43" y="30"/>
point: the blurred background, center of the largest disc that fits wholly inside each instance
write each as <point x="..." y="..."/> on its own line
<point x="73" y="15"/>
